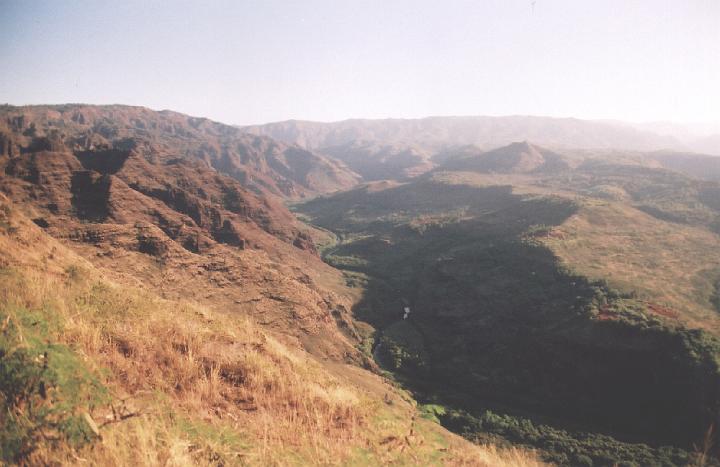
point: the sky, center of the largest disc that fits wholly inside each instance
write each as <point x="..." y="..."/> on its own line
<point x="252" y="61"/>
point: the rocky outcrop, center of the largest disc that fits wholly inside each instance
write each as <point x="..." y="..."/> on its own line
<point x="260" y="163"/>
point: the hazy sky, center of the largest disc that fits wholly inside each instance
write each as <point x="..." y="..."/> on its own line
<point x="257" y="61"/>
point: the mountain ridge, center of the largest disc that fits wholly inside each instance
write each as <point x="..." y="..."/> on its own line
<point x="517" y="157"/>
<point x="583" y="133"/>
<point x="403" y="148"/>
<point x="261" y="163"/>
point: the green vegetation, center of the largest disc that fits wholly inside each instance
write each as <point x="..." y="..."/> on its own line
<point x="666" y="195"/>
<point x="564" y="448"/>
<point x="670" y="267"/>
<point x="402" y="347"/>
<point x="46" y="391"/>
<point x="499" y="322"/>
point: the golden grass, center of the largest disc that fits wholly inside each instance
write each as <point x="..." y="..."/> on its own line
<point x="192" y="386"/>
<point x="663" y="262"/>
<point x="208" y="364"/>
<point x="671" y="264"/>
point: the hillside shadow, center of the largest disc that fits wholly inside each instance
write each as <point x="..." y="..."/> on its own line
<point x="497" y="322"/>
<point x="90" y="195"/>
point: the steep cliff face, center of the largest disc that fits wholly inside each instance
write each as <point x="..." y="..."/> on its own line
<point x="128" y="189"/>
<point x="260" y="163"/>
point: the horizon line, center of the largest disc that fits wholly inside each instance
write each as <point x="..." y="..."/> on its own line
<point x="607" y="120"/>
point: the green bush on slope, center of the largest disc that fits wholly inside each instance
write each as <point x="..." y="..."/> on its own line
<point x="44" y="387"/>
<point x="563" y="448"/>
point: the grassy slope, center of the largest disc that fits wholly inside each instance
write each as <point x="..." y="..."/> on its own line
<point x="622" y="233"/>
<point x="119" y="376"/>
<point x="673" y="265"/>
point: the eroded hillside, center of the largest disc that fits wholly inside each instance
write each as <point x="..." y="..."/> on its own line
<point x="141" y="204"/>
<point x="96" y="371"/>
<point x="261" y="164"/>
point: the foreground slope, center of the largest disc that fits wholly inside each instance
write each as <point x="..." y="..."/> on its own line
<point x="108" y="374"/>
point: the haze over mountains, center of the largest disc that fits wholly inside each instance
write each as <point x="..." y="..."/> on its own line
<point x="514" y="158"/>
<point x="379" y="149"/>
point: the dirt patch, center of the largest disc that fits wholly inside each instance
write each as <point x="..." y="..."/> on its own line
<point x="604" y="314"/>
<point x="662" y="310"/>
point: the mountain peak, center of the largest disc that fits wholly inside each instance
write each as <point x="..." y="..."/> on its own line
<point x="517" y="157"/>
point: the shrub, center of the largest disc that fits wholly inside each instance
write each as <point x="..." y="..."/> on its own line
<point x="562" y="447"/>
<point x="44" y="388"/>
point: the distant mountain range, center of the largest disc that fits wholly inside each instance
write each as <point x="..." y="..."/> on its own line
<point x="436" y="133"/>
<point x="515" y="158"/>
<point x="402" y="148"/>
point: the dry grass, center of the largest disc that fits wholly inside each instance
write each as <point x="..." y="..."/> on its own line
<point x="669" y="264"/>
<point x="205" y="363"/>
<point x="191" y="386"/>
